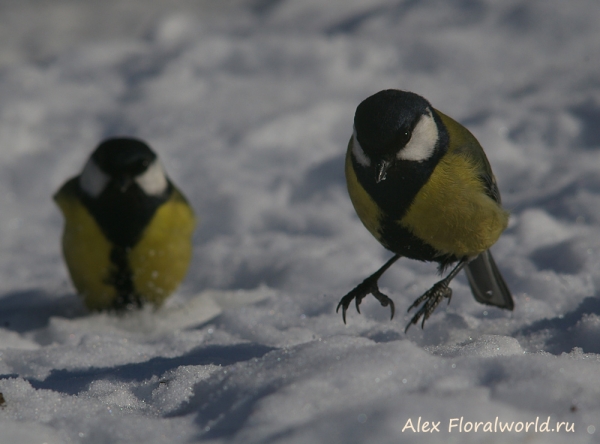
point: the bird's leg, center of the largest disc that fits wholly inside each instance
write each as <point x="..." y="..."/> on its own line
<point x="368" y="286"/>
<point x="434" y="296"/>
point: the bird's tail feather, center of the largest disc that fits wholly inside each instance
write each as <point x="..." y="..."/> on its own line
<point x="487" y="284"/>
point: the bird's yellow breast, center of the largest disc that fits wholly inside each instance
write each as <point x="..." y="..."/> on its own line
<point x="87" y="254"/>
<point x="158" y="262"/>
<point x="452" y="212"/>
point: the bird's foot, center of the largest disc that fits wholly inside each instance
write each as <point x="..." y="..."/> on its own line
<point x="432" y="299"/>
<point x="368" y="286"/>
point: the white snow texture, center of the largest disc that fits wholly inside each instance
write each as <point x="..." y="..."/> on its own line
<point x="249" y="105"/>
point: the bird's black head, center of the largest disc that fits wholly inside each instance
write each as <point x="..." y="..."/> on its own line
<point x="123" y="164"/>
<point x="393" y="127"/>
<point x="123" y="157"/>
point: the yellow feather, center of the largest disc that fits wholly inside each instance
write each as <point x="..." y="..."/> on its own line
<point x="86" y="251"/>
<point x="366" y="208"/>
<point x="159" y="261"/>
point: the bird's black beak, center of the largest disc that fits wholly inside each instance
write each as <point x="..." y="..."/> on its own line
<point x="382" y="168"/>
<point x="124" y="182"/>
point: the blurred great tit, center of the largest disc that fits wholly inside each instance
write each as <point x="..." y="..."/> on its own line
<point x="422" y="185"/>
<point x="127" y="234"/>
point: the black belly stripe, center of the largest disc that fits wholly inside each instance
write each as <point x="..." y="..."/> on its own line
<point x="122" y="280"/>
<point x="400" y="240"/>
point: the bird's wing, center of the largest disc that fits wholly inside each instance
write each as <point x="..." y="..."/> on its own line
<point x="466" y="144"/>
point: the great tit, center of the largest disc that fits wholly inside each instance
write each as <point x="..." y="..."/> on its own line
<point x="422" y="185"/>
<point x="127" y="234"/>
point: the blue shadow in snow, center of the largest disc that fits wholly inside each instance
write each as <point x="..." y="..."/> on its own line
<point x="72" y="382"/>
<point x="27" y="310"/>
<point x="564" y="331"/>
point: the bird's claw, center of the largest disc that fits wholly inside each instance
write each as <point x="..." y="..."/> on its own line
<point x="368" y="286"/>
<point x="432" y="299"/>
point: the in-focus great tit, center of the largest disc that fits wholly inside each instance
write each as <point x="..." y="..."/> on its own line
<point x="422" y="185"/>
<point x="128" y="229"/>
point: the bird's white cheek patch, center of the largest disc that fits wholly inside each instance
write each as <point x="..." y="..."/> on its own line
<point x="358" y="152"/>
<point x="422" y="143"/>
<point x="93" y="180"/>
<point x="153" y="181"/>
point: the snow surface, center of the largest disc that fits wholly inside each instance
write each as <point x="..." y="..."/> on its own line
<point x="249" y="104"/>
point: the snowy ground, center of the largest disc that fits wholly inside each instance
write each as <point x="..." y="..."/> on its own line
<point x="250" y="103"/>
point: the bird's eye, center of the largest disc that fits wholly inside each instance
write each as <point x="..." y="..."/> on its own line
<point x="403" y="138"/>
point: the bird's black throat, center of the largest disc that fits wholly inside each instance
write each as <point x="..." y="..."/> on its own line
<point x="123" y="216"/>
